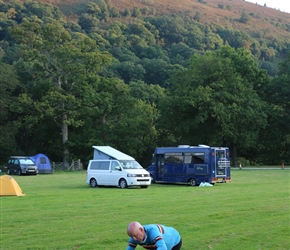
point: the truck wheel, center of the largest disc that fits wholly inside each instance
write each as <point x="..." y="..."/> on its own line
<point x="123" y="183"/>
<point x="93" y="183"/>
<point x="192" y="182"/>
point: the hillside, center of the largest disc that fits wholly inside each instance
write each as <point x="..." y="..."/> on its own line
<point x="140" y="74"/>
<point x="263" y="21"/>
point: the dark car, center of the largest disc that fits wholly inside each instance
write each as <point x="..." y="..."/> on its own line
<point x="21" y="165"/>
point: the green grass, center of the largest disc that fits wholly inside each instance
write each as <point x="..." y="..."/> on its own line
<point x="60" y="211"/>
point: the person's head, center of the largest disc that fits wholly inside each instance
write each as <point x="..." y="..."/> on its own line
<point x="136" y="231"/>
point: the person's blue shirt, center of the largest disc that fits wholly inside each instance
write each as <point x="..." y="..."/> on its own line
<point x="157" y="237"/>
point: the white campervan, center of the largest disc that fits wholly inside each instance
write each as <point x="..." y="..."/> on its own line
<point x="111" y="167"/>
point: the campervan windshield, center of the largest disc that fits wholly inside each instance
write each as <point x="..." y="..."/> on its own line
<point x="130" y="164"/>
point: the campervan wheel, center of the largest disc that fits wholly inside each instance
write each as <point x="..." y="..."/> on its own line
<point x="123" y="183"/>
<point x="192" y="182"/>
<point x="93" y="182"/>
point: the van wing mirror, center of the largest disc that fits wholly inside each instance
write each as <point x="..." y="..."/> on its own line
<point x="118" y="168"/>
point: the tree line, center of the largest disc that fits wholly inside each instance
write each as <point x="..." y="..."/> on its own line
<point x="155" y="81"/>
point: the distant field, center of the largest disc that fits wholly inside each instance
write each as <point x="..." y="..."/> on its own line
<point x="60" y="211"/>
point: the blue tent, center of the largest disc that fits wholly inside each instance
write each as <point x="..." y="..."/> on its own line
<point x="43" y="163"/>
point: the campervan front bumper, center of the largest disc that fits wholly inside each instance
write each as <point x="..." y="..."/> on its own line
<point x="138" y="181"/>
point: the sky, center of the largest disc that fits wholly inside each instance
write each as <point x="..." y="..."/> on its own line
<point x="282" y="5"/>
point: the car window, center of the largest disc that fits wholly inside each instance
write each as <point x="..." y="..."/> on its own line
<point x="16" y="161"/>
<point x="26" y="161"/>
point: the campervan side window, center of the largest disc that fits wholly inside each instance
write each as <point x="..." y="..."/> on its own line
<point x="114" y="164"/>
<point x="100" y="165"/>
<point x="197" y="158"/>
<point x="172" y="158"/>
<point x="194" y="158"/>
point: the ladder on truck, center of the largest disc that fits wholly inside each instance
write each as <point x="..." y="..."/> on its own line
<point x="222" y="165"/>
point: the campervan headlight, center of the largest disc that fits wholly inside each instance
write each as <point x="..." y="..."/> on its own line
<point x="131" y="175"/>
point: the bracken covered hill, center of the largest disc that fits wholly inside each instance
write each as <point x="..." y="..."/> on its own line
<point x="263" y="21"/>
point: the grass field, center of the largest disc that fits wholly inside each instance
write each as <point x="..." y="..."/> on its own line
<point x="60" y="211"/>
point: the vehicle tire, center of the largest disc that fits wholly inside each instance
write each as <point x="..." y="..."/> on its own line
<point x="192" y="182"/>
<point x="19" y="172"/>
<point x="8" y="172"/>
<point x="93" y="183"/>
<point x="123" y="183"/>
<point x="144" y="186"/>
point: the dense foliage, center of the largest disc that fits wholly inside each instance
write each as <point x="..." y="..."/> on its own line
<point x="136" y="80"/>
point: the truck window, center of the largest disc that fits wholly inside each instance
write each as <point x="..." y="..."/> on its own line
<point x="194" y="158"/>
<point x="173" y="158"/>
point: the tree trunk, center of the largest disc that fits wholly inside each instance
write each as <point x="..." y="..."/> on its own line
<point x="64" y="141"/>
<point x="233" y="151"/>
<point x="64" y="130"/>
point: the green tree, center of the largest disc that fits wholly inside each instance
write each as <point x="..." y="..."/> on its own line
<point x="195" y="37"/>
<point x="124" y="121"/>
<point x="197" y="16"/>
<point x="65" y="65"/>
<point x="145" y="11"/>
<point x="88" y="22"/>
<point x="127" y="12"/>
<point x="157" y="71"/>
<point x="181" y="51"/>
<point x="235" y="38"/>
<point x="150" y="93"/>
<point x="170" y="29"/>
<point x="93" y="9"/>
<point x="212" y="41"/>
<point x="8" y="129"/>
<point x="214" y="102"/>
<point x="102" y="5"/>
<point x="152" y="52"/>
<point x="129" y="71"/>
<point x="5" y="23"/>
<point x="275" y="139"/>
<point x="136" y="12"/>
<point x="42" y="10"/>
<point x="114" y="34"/>
<point x="114" y="12"/>
<point x="245" y="18"/>
<point x="139" y="29"/>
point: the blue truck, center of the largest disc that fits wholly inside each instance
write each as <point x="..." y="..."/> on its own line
<point x="190" y="165"/>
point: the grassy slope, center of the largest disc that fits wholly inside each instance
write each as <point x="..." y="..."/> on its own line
<point x="60" y="211"/>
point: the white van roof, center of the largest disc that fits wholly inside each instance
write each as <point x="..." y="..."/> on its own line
<point x="112" y="152"/>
